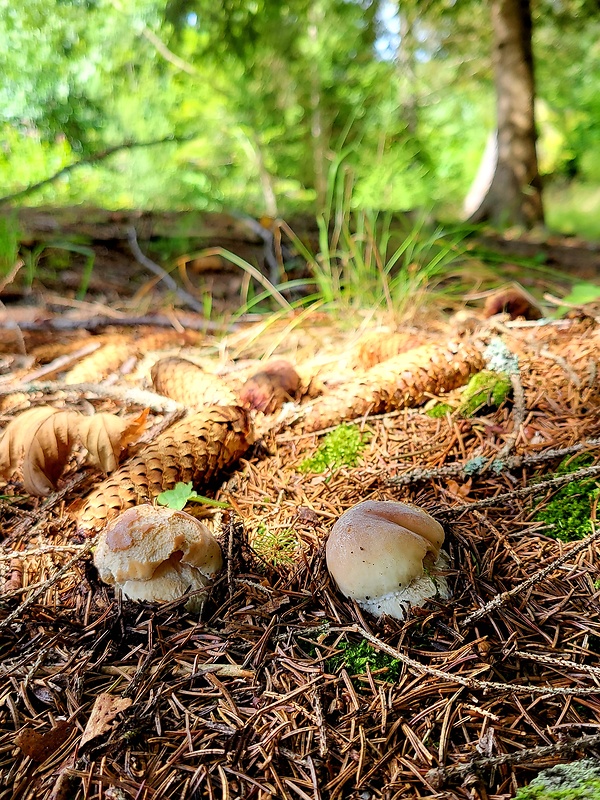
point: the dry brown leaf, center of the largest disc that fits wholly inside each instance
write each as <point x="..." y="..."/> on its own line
<point x="106" y="708"/>
<point x="38" y="745"/>
<point x="41" y="441"/>
<point x="105" y="435"/>
<point x="18" y="436"/>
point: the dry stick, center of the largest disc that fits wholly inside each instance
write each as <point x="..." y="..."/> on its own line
<point x="438" y="776"/>
<point x="469" y="682"/>
<point x="558" y="662"/>
<point x="525" y="491"/>
<point x="518" y="416"/>
<point x="40" y="551"/>
<point x="46" y="585"/>
<point x="62" y="362"/>
<point x="452" y="470"/>
<point x="164" y="276"/>
<point x="99" y="322"/>
<point x="130" y="396"/>
<point x="504" y="597"/>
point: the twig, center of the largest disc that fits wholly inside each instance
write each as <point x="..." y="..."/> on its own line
<point x="40" y="551"/>
<point x="94" y="158"/>
<point x="129" y="396"/>
<point x="525" y="491"/>
<point x="452" y="470"/>
<point x="438" y="776"/>
<point x="558" y="662"/>
<point x="518" y="416"/>
<point x="98" y="323"/>
<point x="504" y="597"/>
<point x="62" y="362"/>
<point x="46" y="585"/>
<point x="157" y="270"/>
<point x="469" y="682"/>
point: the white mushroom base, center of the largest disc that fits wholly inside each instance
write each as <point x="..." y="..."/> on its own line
<point x="396" y="604"/>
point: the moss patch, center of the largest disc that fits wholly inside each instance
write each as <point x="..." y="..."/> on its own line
<point x="340" y="448"/>
<point x="439" y="410"/>
<point x="577" y="781"/>
<point x="486" y="389"/>
<point x="569" y="511"/>
<point x="355" y="657"/>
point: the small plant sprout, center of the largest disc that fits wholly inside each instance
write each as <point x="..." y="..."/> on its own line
<point x="277" y="547"/>
<point x="184" y="493"/>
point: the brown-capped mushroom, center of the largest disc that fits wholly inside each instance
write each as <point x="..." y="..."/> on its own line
<point x="384" y="554"/>
<point x="158" y="554"/>
<point x="268" y="389"/>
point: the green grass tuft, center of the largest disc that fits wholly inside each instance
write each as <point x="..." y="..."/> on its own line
<point x="340" y="448"/>
<point x="439" y="410"/>
<point x="355" y="657"/>
<point x="276" y="547"/>
<point x="569" y="511"/>
<point x="486" y="389"/>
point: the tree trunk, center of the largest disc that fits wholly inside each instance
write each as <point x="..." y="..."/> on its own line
<point x="514" y="196"/>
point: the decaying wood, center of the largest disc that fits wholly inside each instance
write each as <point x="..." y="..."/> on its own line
<point x="195" y="449"/>
<point x="400" y="382"/>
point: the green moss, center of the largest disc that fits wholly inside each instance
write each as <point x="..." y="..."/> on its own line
<point x="439" y="410"/>
<point x="485" y="389"/>
<point x="569" y="511"/>
<point x="354" y="657"/>
<point x="277" y="547"/>
<point x="340" y="448"/>
<point x="577" y="781"/>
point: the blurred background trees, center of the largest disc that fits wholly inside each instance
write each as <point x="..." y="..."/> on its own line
<point x="276" y="96"/>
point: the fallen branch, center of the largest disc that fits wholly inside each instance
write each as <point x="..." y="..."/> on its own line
<point x="464" y="468"/>
<point x="525" y="491"/>
<point x="164" y="276"/>
<point x="98" y="323"/>
<point x="46" y="585"/>
<point x="440" y="775"/>
<point x="469" y="682"/>
<point x="504" y="597"/>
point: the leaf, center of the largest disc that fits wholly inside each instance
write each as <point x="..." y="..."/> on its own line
<point x="18" y="436"/>
<point x="38" y="745"/>
<point x="580" y="294"/>
<point x="105" y="435"/>
<point x="48" y="452"/>
<point x="106" y="708"/>
<point x="43" y="439"/>
<point x="176" y="498"/>
<point x="184" y="493"/>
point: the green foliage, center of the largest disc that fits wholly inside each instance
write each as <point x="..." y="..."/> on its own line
<point x="580" y="294"/>
<point x="579" y="780"/>
<point x="340" y="448"/>
<point x="354" y="657"/>
<point x="184" y="493"/>
<point x="9" y="244"/>
<point x="439" y="410"/>
<point x="277" y="547"/>
<point x="485" y="389"/>
<point x="569" y="512"/>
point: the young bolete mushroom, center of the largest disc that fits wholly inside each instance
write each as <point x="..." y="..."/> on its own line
<point x="382" y="554"/>
<point x="158" y="554"/>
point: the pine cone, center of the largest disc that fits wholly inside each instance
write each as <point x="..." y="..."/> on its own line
<point x="187" y="383"/>
<point x="400" y="382"/>
<point x="195" y="450"/>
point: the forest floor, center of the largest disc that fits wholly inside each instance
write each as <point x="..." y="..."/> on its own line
<point x="284" y="688"/>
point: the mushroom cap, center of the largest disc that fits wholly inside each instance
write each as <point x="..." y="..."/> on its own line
<point x="378" y="547"/>
<point x="155" y="553"/>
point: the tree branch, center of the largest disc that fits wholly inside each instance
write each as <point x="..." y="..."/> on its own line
<point x="94" y="158"/>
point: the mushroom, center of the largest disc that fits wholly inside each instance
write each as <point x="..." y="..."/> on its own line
<point x="158" y="554"/>
<point x="384" y="555"/>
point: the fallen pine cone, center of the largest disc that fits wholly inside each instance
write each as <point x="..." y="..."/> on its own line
<point x="400" y="382"/>
<point x="102" y="362"/>
<point x="195" y="450"/>
<point x="268" y="389"/>
<point x="373" y="348"/>
<point x="189" y="384"/>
